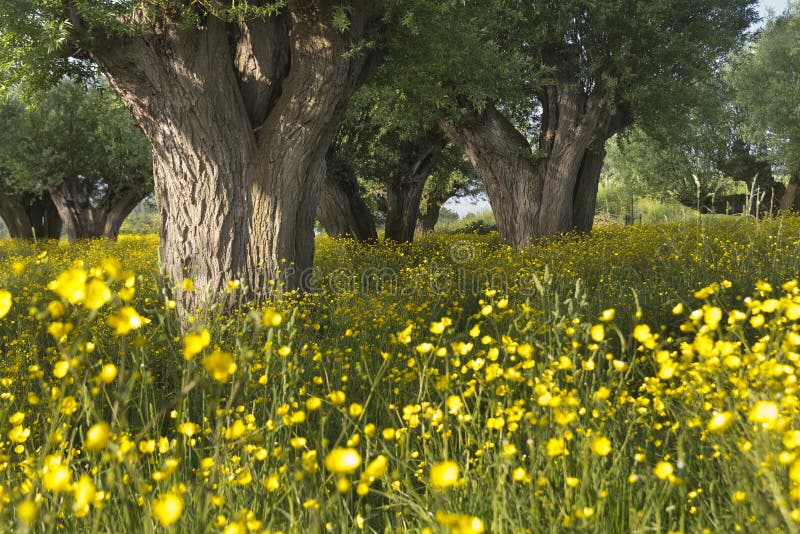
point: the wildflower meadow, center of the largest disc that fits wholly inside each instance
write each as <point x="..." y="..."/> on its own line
<point x="641" y="379"/>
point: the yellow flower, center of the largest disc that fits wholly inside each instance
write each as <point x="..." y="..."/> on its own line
<point x="607" y="315"/>
<point x="167" y="508"/>
<point x="663" y="470"/>
<point x="376" y="468"/>
<point x="59" y="330"/>
<point x="188" y="284"/>
<point x="598" y="333"/>
<point x="764" y="413"/>
<point x="342" y="460"/>
<point x="189" y="429"/>
<point x="193" y="344"/>
<point x="271" y="318"/>
<point x="719" y="422"/>
<point x="424" y="348"/>
<point x="791" y="439"/>
<point x="70" y="285"/>
<point x="61" y="368"/>
<point x="97" y="437"/>
<point x="84" y="493"/>
<point x="5" y="303"/>
<point x="28" y="511"/>
<point x="445" y="474"/>
<point x="19" y="434"/>
<point x="125" y="320"/>
<point x="555" y="447"/>
<point x="273" y="482"/>
<point x="219" y="365"/>
<point x="56" y="476"/>
<point x="108" y="373"/>
<point x="460" y="523"/>
<point x="68" y="405"/>
<point x="97" y="295"/>
<point x="601" y="446"/>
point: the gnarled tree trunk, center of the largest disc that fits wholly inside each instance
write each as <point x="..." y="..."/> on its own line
<point x="30" y="216"/>
<point x="343" y="212"/>
<point x="553" y="190"/>
<point x="240" y="116"/>
<point x="84" y="220"/>
<point x="404" y="194"/>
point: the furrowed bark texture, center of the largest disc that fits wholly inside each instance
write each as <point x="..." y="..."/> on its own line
<point x="29" y="216"/>
<point x="554" y="190"/>
<point x="240" y="116"/>
<point x="295" y="139"/>
<point x="404" y="195"/>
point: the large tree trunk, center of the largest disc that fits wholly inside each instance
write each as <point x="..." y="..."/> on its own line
<point x="403" y="195"/>
<point x="29" y="216"/>
<point x="84" y="220"/>
<point x="343" y="212"/>
<point x="239" y="131"/>
<point x="502" y="157"/>
<point x="790" y="201"/>
<point x="16" y="217"/>
<point x="44" y="217"/>
<point x="553" y="190"/>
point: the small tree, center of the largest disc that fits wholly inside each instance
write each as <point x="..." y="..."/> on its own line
<point x="79" y="147"/>
<point x="26" y="208"/>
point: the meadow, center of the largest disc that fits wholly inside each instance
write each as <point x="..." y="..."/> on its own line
<point x="641" y="379"/>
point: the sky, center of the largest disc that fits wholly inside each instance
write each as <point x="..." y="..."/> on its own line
<point x="776" y="5"/>
<point x="476" y="205"/>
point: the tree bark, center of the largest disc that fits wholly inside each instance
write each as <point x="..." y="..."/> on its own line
<point x="240" y="116"/>
<point x="30" y="216"/>
<point x="343" y="212"/>
<point x="584" y="198"/>
<point x="790" y="201"/>
<point x="403" y="195"/>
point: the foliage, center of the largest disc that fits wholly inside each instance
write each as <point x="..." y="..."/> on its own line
<point x="76" y="134"/>
<point x="475" y="388"/>
<point x="767" y="86"/>
<point x="143" y="219"/>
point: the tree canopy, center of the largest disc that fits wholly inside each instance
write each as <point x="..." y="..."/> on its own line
<point x="766" y="78"/>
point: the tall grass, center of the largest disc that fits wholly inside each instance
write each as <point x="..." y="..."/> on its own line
<point x="640" y="379"/>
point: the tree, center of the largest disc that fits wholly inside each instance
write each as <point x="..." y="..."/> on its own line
<point x="79" y="145"/>
<point x="28" y="212"/>
<point x="602" y="65"/>
<point x="240" y="103"/>
<point x="695" y="155"/>
<point x="766" y="77"/>
<point x="453" y="177"/>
